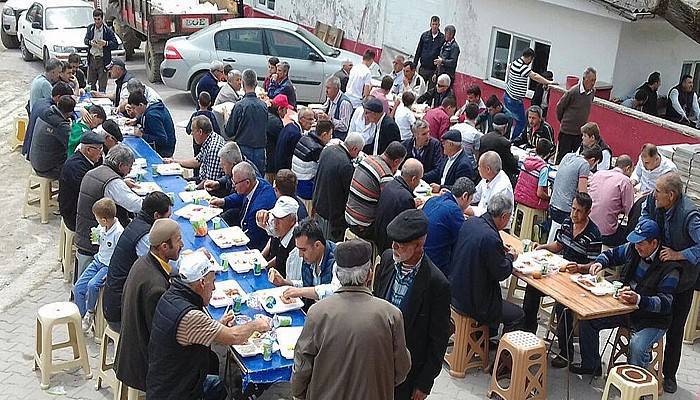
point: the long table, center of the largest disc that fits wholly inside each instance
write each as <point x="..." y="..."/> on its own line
<point x="255" y="369"/>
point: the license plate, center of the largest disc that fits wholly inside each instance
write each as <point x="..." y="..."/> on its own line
<point x="195" y="23"/>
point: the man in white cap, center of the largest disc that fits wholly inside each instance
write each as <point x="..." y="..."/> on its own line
<point x="279" y="223"/>
<point x="179" y="353"/>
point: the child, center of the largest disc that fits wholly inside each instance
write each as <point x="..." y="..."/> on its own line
<point x="88" y="286"/>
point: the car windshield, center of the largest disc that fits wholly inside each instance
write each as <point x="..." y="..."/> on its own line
<point x="68" y="17"/>
<point x="318" y="43"/>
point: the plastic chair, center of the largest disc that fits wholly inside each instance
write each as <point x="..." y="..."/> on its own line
<point x="633" y="383"/>
<point x="128" y="393"/>
<point x="17" y="140"/>
<point x="621" y="349"/>
<point x="471" y="345"/>
<point x="105" y="371"/>
<point x="66" y="252"/>
<point x="41" y="188"/>
<point x="692" y="332"/>
<point x="49" y="316"/>
<point x="100" y="323"/>
<point x="525" y="220"/>
<point x="528" y="373"/>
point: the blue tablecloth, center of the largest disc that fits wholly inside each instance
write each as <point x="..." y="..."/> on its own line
<point x="255" y="370"/>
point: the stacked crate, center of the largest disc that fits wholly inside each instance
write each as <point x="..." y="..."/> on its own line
<point x="687" y="160"/>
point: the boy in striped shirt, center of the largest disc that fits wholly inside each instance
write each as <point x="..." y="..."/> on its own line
<point x="519" y="71"/>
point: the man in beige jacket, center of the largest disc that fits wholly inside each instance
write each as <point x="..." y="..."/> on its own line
<point x="353" y="344"/>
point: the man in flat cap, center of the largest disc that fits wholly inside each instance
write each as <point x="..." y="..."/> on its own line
<point x="351" y="335"/>
<point x="498" y="140"/>
<point x="148" y="279"/>
<point x="385" y="129"/>
<point x="409" y="280"/>
<point x="454" y="165"/>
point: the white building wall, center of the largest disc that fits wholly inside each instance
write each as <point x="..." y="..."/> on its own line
<point x="647" y="46"/>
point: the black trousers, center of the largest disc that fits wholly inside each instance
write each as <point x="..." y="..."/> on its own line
<point x="567" y="144"/>
<point x="512" y="317"/>
<point x="531" y="306"/>
<point x="680" y="307"/>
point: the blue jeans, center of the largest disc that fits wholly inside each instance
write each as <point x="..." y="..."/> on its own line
<point x="256" y="156"/>
<point x="517" y="108"/>
<point x="639" y="346"/>
<point x="214" y="388"/>
<point x="87" y="288"/>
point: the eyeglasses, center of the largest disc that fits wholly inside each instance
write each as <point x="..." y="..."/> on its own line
<point x="241" y="181"/>
<point x="441" y="85"/>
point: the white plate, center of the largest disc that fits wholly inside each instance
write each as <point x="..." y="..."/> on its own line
<point x="279" y="306"/>
<point x="169" y="169"/>
<point x="253" y="347"/>
<point x="599" y="288"/>
<point x="146" y="188"/>
<point x="140" y="162"/>
<point x="219" y="298"/>
<point x="242" y="261"/>
<point x="188" y="197"/>
<point x="195" y="212"/>
<point x="229" y="237"/>
<point x="287" y="337"/>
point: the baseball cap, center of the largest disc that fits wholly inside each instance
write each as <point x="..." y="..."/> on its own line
<point x="281" y="101"/>
<point x="116" y="61"/>
<point x="284" y="206"/>
<point x="646" y="229"/>
<point x="194" y="267"/>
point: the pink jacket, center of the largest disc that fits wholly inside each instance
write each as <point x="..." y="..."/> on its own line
<point x="438" y="120"/>
<point x="526" y="188"/>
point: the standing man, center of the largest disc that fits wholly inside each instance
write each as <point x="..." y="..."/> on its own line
<point x="573" y="111"/>
<point x="210" y="81"/>
<point x="385" y="129"/>
<point x="281" y="84"/>
<point x="351" y="322"/>
<point x="446" y="62"/>
<point x="519" y="73"/>
<point x="613" y="194"/>
<point x="650" y="167"/>
<point x="248" y="122"/>
<point x="290" y="135"/>
<point x="338" y="108"/>
<point x="229" y="92"/>
<point x="157" y="126"/>
<point x="343" y="74"/>
<point x="207" y="161"/>
<point x="423" y="147"/>
<point x="428" y="51"/>
<point x="679" y="221"/>
<point x="649" y="90"/>
<point x="408" y="279"/>
<point x="100" y="40"/>
<point x="360" y="79"/>
<point x="333" y="179"/>
<point x="479" y="262"/>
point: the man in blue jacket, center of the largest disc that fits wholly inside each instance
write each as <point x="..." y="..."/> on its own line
<point x="454" y="165"/>
<point x="210" y="81"/>
<point x="100" y="41"/>
<point x="157" y="126"/>
<point x="428" y="50"/>
<point x="252" y="194"/>
<point x="281" y="84"/>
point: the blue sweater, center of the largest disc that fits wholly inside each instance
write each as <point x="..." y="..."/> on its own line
<point x="263" y="198"/>
<point x="158" y="128"/>
<point x="445" y="219"/>
<point x="208" y="84"/>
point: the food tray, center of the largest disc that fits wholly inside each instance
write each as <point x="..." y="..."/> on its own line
<point x="287" y="337"/>
<point x="423" y="189"/>
<point x="229" y="237"/>
<point x="215" y="265"/>
<point x="242" y="261"/>
<point x="279" y="306"/>
<point x="169" y="169"/>
<point x="189" y="197"/>
<point x="532" y="261"/>
<point x="593" y="285"/>
<point x="135" y="172"/>
<point x="140" y="163"/>
<point x="145" y="188"/>
<point x="101" y="101"/>
<point x="195" y="212"/>
<point x="219" y="298"/>
<point x="253" y="346"/>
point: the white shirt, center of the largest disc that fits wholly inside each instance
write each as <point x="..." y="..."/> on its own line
<point x="358" y="124"/>
<point x="322" y="290"/>
<point x="404" y="118"/>
<point x="448" y="165"/>
<point x="581" y="89"/>
<point x="375" y="148"/>
<point x="360" y="76"/>
<point x="470" y="135"/>
<point x="123" y="196"/>
<point x="398" y="82"/>
<point x="673" y="96"/>
<point x="108" y="241"/>
<point x="646" y="178"/>
<point x="95" y="50"/>
<point x="486" y="190"/>
<point x="151" y="95"/>
<point x="143" y="246"/>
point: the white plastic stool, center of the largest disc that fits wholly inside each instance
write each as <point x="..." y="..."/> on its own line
<point x="100" y="323"/>
<point x="41" y="188"/>
<point x="633" y="383"/>
<point x="128" y="393"/>
<point x="52" y="315"/>
<point x="692" y="332"/>
<point x="105" y="370"/>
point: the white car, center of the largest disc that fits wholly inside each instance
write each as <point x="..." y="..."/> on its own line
<point x="56" y="28"/>
<point x="10" y="16"/>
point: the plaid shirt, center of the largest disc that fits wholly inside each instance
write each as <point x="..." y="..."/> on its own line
<point x="402" y="282"/>
<point x="208" y="157"/>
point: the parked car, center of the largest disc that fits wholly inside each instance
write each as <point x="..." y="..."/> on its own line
<point x="56" y="28"/>
<point x="248" y="43"/>
<point x="11" y="12"/>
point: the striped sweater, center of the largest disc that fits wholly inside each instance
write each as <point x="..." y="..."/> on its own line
<point x="367" y="182"/>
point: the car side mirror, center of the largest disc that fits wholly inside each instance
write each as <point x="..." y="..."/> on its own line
<point x="315" y="57"/>
<point x="36" y="25"/>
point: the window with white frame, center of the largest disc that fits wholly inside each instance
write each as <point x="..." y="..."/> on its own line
<point x="507" y="46"/>
<point x="692" y="68"/>
<point x="268" y="4"/>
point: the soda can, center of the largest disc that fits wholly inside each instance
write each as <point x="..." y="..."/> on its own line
<point x="154" y="170"/>
<point x="281" y="320"/>
<point x="237" y="300"/>
<point x="224" y="263"/>
<point x="267" y="349"/>
<point x="257" y="268"/>
<point x="217" y="222"/>
<point x="270" y="301"/>
<point x="527" y="243"/>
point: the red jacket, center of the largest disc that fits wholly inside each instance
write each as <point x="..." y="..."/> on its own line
<point x="438" y="120"/>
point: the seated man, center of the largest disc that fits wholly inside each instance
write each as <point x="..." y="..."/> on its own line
<point x="649" y="283"/>
<point x="229" y="156"/>
<point x="310" y="266"/>
<point x="423" y="147"/>
<point x="231" y="91"/>
<point x="208" y="158"/>
<point x="279" y="223"/>
<point x="613" y="195"/>
<point x="485" y="120"/>
<point x="577" y="241"/>
<point x="436" y="95"/>
<point x="480" y="261"/>
<point x="41" y="106"/>
<point x="493" y="181"/>
<point x="497" y="140"/>
<point x="537" y="128"/>
<point x="251" y="195"/>
<point x="157" y="126"/>
<point x="439" y="118"/>
<point x="93" y="117"/>
<point x="454" y="165"/>
<point x="49" y="149"/>
<point x="650" y="166"/>
<point x="182" y="331"/>
<point x="445" y="218"/>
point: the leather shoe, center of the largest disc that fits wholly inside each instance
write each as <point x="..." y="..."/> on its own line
<point x="580" y="370"/>
<point x="559" y="362"/>
<point x="670" y="385"/>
